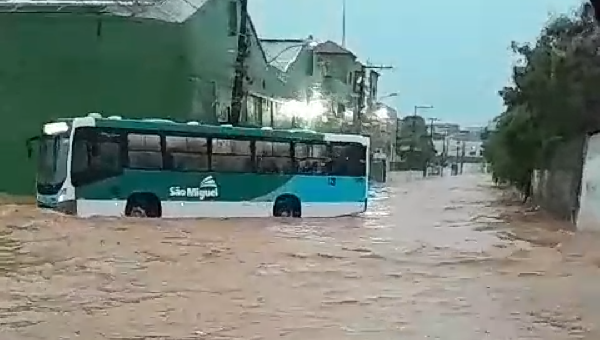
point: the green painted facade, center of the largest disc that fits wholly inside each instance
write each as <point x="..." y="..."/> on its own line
<point x="67" y="63"/>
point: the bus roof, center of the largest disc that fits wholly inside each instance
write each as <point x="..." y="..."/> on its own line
<point x="216" y="130"/>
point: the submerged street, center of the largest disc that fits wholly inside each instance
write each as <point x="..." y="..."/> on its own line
<point x="435" y="258"/>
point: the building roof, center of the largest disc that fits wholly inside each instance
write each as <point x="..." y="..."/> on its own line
<point x="281" y="53"/>
<point x="164" y="10"/>
<point x="330" y="47"/>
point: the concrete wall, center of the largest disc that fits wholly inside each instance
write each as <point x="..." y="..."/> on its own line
<point x="64" y="65"/>
<point x="588" y="217"/>
<point x="556" y="188"/>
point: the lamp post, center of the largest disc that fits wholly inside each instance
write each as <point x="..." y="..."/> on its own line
<point x="387" y="96"/>
<point x="344" y="23"/>
<point x="421" y="107"/>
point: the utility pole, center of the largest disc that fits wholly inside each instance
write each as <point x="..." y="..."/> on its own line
<point x="357" y="118"/>
<point x="238" y="91"/>
<point x="444" y="152"/>
<point x="431" y="121"/>
<point x="362" y="87"/>
<point x="344" y="23"/>
<point x="462" y="157"/>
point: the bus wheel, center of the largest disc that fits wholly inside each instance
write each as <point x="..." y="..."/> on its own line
<point x="138" y="212"/>
<point x="143" y="205"/>
<point x="287" y="206"/>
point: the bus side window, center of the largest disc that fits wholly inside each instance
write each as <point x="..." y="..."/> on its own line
<point x="80" y="160"/>
<point x="348" y="160"/>
<point x="312" y="159"/>
<point x="273" y="157"/>
<point x="144" y="151"/>
<point x="229" y="155"/>
<point x="187" y="153"/>
<point x="96" y="156"/>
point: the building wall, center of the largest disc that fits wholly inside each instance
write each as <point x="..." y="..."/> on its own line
<point x="332" y="75"/>
<point x="211" y="54"/>
<point x="61" y="64"/>
<point x="557" y="187"/>
<point x="588" y="217"/>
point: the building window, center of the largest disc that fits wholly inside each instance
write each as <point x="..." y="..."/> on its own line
<point x="258" y="110"/>
<point x="254" y="110"/>
<point x="249" y="112"/>
<point x="374" y="79"/>
<point x="357" y="81"/>
<point x="267" y="107"/>
<point x="310" y="67"/>
<point x="341" y="109"/>
<point x="233" y="18"/>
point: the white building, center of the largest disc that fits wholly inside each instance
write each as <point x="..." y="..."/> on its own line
<point x="454" y="147"/>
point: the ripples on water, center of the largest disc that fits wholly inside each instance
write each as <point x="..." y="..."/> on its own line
<point x="430" y="258"/>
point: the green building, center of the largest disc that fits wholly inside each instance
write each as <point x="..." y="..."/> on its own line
<point x="171" y="59"/>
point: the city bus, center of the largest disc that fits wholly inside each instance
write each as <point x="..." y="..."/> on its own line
<point x="96" y="166"/>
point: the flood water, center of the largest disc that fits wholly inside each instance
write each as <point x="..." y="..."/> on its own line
<point x="432" y="259"/>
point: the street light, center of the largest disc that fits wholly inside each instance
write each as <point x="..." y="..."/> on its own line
<point x="387" y="96"/>
<point x="421" y="107"/>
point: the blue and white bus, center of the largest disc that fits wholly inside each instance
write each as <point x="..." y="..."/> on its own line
<point x="94" y="166"/>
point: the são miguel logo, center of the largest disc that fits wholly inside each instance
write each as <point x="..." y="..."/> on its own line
<point x="207" y="189"/>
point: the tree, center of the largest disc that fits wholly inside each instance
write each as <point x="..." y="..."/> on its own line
<point x="554" y="97"/>
<point x="413" y="143"/>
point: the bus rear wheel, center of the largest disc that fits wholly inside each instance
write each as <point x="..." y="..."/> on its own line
<point x="287" y="206"/>
<point x="143" y="205"/>
<point x="138" y="212"/>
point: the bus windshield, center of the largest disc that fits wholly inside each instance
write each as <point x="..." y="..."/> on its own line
<point x="52" y="163"/>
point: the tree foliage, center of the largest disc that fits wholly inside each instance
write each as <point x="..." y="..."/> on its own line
<point x="413" y="143"/>
<point x="554" y="97"/>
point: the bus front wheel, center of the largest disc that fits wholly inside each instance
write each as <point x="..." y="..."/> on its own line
<point x="287" y="206"/>
<point x="143" y="205"/>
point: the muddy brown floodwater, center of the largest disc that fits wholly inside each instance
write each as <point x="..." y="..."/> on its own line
<point x="432" y="259"/>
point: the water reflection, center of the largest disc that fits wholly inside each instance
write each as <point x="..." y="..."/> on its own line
<point x="432" y="258"/>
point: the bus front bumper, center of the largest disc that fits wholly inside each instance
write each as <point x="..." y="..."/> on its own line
<point x="52" y="202"/>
